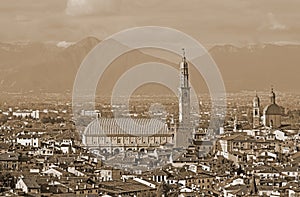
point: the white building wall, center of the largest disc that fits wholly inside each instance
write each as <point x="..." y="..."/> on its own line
<point x="21" y="185"/>
<point x="33" y="142"/>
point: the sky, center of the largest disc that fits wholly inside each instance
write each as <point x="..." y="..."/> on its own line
<point x="209" y="21"/>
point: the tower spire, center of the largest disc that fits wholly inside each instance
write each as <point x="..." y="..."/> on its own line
<point x="272" y="96"/>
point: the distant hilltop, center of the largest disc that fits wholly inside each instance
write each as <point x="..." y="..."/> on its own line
<point x="52" y="67"/>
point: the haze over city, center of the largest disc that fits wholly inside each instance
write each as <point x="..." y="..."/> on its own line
<point x="149" y="98"/>
<point x="255" y="44"/>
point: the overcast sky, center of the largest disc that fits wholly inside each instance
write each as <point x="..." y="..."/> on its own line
<point x="209" y="21"/>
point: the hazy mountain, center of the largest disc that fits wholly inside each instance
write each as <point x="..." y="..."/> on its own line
<point x="259" y="66"/>
<point x="46" y="67"/>
<point x="40" y="66"/>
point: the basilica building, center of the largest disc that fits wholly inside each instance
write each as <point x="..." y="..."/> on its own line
<point x="272" y="113"/>
<point x="115" y="135"/>
<point x="112" y="135"/>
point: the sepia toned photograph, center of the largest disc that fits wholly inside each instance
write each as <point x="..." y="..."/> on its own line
<point x="149" y="98"/>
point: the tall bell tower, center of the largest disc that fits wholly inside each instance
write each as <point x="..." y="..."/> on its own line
<point x="256" y="112"/>
<point x="184" y="130"/>
<point x="184" y="92"/>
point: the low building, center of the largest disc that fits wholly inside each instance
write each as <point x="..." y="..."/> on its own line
<point x="125" y="188"/>
<point x="108" y="174"/>
<point x="28" y="185"/>
<point x="31" y="140"/>
<point x="9" y="161"/>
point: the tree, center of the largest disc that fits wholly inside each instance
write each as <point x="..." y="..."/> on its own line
<point x="3" y="118"/>
<point x="8" y="180"/>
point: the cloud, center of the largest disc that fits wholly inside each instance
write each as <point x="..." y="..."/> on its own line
<point x="79" y="7"/>
<point x="64" y="44"/>
<point x="91" y="7"/>
<point x="274" y="24"/>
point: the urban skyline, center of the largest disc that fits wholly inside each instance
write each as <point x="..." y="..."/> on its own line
<point x="148" y="98"/>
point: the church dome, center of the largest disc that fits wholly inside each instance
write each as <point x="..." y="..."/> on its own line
<point x="272" y="109"/>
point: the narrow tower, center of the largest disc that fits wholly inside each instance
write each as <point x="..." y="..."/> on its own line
<point x="256" y="112"/>
<point x="184" y="130"/>
<point x="235" y="124"/>
<point x="184" y="92"/>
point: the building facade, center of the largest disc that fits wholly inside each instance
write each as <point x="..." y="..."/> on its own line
<point x="117" y="135"/>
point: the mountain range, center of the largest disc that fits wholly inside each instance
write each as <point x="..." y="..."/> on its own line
<point x="50" y="67"/>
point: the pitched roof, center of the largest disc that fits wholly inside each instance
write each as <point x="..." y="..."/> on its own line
<point x="31" y="183"/>
<point x="9" y="157"/>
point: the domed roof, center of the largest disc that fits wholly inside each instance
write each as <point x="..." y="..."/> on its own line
<point x="272" y="109"/>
